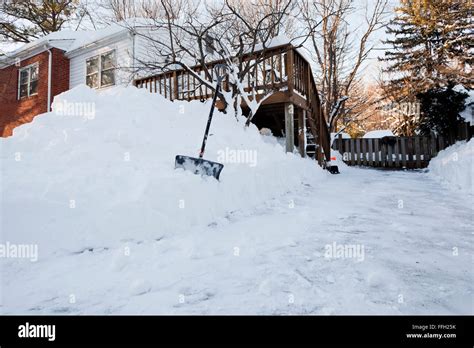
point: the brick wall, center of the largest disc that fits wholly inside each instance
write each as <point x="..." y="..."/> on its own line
<point x="14" y="112"/>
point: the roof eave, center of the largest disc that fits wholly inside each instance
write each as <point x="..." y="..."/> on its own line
<point x="40" y="47"/>
<point x="110" y="38"/>
<point x="10" y="59"/>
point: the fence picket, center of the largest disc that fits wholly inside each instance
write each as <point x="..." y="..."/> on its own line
<point x="389" y="155"/>
<point x="466" y="131"/>
<point x="397" y="153"/>
<point x="364" y="151"/>
<point x="376" y="151"/>
<point x="358" y="151"/>
<point x="383" y="155"/>
<point x="417" y="152"/>
<point x="404" y="151"/>
<point x="352" y="151"/>
<point x="426" y="150"/>
<point x="371" y="154"/>
<point x="433" y="151"/>
<point x="409" y="148"/>
<point x="346" y="149"/>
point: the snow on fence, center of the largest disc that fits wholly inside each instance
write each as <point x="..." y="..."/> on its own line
<point x="397" y="152"/>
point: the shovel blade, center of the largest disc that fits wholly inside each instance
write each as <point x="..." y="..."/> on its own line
<point x="198" y="166"/>
<point x="333" y="169"/>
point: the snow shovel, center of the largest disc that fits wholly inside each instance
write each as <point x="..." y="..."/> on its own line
<point x="199" y="165"/>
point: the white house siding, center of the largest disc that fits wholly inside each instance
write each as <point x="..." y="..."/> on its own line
<point x="153" y="51"/>
<point x="123" y="54"/>
<point x="146" y="49"/>
<point x="131" y="51"/>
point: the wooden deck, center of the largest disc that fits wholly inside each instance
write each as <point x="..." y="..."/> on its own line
<point x="282" y="72"/>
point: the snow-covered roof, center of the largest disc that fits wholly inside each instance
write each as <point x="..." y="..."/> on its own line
<point x="336" y="135"/>
<point x="115" y="29"/>
<point x="89" y="37"/>
<point x="379" y="133"/>
<point x="276" y="41"/>
<point x="281" y="40"/>
<point x="69" y="41"/>
<point x="60" y="39"/>
<point x="55" y="39"/>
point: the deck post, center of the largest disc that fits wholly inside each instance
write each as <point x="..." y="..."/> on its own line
<point x="290" y="71"/>
<point x="302" y="132"/>
<point x="175" y="86"/>
<point x="289" y="126"/>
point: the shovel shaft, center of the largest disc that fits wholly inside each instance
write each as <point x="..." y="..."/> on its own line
<point x="209" y="120"/>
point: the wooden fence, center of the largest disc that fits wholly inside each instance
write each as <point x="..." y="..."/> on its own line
<point x="397" y="152"/>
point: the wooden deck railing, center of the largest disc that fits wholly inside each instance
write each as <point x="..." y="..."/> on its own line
<point x="270" y="73"/>
<point x="280" y="68"/>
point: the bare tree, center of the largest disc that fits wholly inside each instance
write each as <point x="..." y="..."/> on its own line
<point x="24" y="21"/>
<point x="339" y="51"/>
<point x="236" y="32"/>
<point x="122" y="10"/>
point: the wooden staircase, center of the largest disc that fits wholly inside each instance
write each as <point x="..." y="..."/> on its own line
<point x="318" y="139"/>
<point x="311" y="145"/>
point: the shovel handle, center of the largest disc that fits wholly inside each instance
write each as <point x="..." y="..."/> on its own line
<point x="214" y="99"/>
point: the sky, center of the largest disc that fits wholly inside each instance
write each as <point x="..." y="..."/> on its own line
<point x="372" y="65"/>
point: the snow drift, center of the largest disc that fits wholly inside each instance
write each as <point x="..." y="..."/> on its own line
<point x="455" y="166"/>
<point x="378" y="133"/>
<point x="99" y="169"/>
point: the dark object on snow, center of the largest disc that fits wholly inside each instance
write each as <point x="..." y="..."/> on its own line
<point x="199" y="165"/>
<point x="333" y="169"/>
<point x="388" y="140"/>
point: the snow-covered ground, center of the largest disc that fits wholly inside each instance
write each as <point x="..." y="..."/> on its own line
<point x="120" y="231"/>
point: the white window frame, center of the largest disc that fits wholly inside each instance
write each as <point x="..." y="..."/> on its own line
<point x="28" y="67"/>
<point x="114" y="68"/>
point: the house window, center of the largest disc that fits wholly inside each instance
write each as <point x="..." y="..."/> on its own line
<point x="101" y="70"/>
<point x="28" y="83"/>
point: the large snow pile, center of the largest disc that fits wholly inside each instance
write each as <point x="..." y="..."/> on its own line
<point x="379" y="133"/>
<point x="99" y="170"/>
<point x="455" y="166"/>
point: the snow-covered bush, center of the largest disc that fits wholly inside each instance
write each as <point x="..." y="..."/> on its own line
<point x="468" y="113"/>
